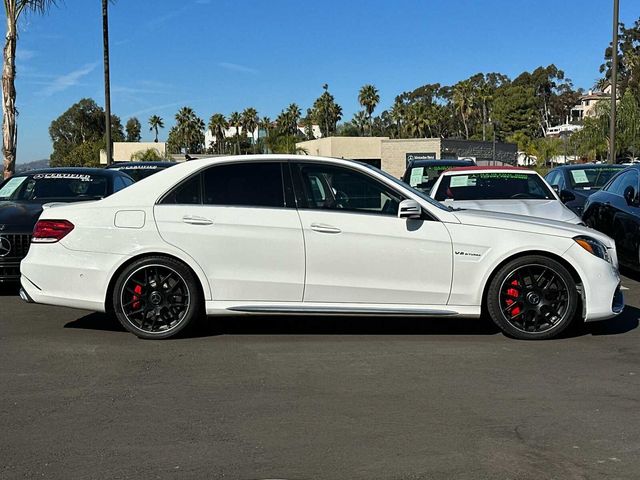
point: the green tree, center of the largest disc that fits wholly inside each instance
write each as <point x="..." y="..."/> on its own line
<point x="250" y="123"/>
<point x="235" y="120"/>
<point x="628" y="60"/>
<point x="463" y="100"/>
<point x="369" y="98"/>
<point x="218" y="126"/>
<point x="155" y="123"/>
<point x="547" y="148"/>
<point x="82" y="123"/>
<point x="148" y="155"/>
<point x="326" y="112"/>
<point x="133" y="129"/>
<point x="187" y="133"/>
<point x="13" y="11"/>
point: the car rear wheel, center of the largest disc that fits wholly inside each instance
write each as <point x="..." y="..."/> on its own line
<point x="156" y="298"/>
<point x="532" y="298"/>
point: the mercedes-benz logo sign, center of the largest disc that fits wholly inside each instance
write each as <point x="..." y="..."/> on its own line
<point x="5" y="247"/>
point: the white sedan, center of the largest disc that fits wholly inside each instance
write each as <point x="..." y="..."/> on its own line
<point x="502" y="189"/>
<point x="282" y="234"/>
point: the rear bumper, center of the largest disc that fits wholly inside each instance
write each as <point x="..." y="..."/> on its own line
<point x="54" y="275"/>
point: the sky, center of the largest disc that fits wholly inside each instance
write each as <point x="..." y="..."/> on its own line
<point x="226" y="55"/>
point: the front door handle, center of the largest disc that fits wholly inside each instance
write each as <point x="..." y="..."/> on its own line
<point x="195" y="220"/>
<point x="324" y="228"/>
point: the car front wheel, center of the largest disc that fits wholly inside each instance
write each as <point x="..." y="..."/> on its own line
<point x="156" y="298"/>
<point x="532" y="298"/>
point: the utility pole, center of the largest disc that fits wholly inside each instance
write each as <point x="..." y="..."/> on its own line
<point x="614" y="82"/>
<point x="107" y="89"/>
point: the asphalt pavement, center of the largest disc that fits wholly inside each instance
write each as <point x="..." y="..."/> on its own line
<point x="316" y="398"/>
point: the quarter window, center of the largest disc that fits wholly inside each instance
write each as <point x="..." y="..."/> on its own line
<point x="244" y="184"/>
<point x="327" y="187"/>
<point x="187" y="193"/>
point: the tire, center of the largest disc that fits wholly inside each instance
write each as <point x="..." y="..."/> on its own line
<point x="157" y="297"/>
<point x="532" y="298"/>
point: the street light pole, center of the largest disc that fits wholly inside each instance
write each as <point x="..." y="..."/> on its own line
<point x="107" y="89"/>
<point x="614" y="82"/>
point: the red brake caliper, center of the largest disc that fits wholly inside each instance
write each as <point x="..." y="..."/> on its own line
<point x="136" y="297"/>
<point x="513" y="292"/>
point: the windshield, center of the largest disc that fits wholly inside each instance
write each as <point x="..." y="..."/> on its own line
<point x="588" y="178"/>
<point x="404" y="185"/>
<point x="424" y="178"/>
<point x="54" y="186"/>
<point x="493" y="186"/>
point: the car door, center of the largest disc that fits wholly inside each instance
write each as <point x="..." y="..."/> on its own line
<point x="623" y="214"/>
<point x="237" y="222"/>
<point x="358" y="250"/>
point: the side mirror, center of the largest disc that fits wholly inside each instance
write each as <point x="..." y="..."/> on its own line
<point x="409" y="209"/>
<point x="566" y="196"/>
<point x="630" y="196"/>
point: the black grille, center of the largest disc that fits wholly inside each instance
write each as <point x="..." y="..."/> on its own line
<point x="19" y="245"/>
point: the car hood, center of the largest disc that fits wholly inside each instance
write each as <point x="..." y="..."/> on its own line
<point x="522" y="223"/>
<point x="552" y="209"/>
<point x="18" y="216"/>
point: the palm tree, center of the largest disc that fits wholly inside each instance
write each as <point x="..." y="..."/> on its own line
<point x="190" y="129"/>
<point x="218" y="126"/>
<point x="250" y="123"/>
<point x="265" y="124"/>
<point x="294" y="113"/>
<point x="369" y="99"/>
<point x="463" y="99"/>
<point x="155" y="123"/>
<point x="235" y="120"/>
<point x="360" y="120"/>
<point x="398" y="113"/>
<point x="13" y="10"/>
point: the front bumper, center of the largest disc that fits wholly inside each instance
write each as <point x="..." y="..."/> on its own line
<point x="601" y="292"/>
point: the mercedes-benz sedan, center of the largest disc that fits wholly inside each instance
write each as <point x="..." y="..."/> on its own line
<point x="298" y="235"/>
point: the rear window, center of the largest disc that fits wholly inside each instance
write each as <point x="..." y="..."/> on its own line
<point x="55" y="186"/>
<point x="493" y="186"/>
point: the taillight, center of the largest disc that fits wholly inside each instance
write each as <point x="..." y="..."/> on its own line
<point x="51" y="231"/>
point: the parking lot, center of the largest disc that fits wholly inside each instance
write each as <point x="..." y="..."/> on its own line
<point x="321" y="398"/>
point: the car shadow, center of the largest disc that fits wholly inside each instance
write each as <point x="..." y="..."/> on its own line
<point x="329" y="325"/>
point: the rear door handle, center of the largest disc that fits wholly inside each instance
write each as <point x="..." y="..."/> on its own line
<point x="195" y="220"/>
<point x="324" y="228"/>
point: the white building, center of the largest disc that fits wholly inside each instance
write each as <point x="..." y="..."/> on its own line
<point x="230" y="132"/>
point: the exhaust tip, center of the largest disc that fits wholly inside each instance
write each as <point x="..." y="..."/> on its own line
<point x="25" y="296"/>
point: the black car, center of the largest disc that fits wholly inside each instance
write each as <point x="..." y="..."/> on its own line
<point x="615" y="211"/>
<point x="422" y="174"/>
<point x="575" y="183"/>
<point x="22" y="198"/>
<point x="140" y="170"/>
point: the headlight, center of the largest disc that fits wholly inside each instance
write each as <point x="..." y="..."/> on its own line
<point x="594" y="247"/>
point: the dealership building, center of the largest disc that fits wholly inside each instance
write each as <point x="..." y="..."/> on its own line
<point x="393" y="155"/>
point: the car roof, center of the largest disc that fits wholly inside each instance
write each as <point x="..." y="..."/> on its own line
<point x="74" y="170"/>
<point x="488" y="169"/>
<point x="434" y="162"/>
<point x="158" y="164"/>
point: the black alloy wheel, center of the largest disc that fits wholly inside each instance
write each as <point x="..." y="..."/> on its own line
<point x="532" y="297"/>
<point x="157" y="297"/>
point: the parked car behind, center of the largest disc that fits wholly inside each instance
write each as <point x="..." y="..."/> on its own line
<point x="140" y="170"/>
<point x="501" y="189"/>
<point x="422" y="174"/>
<point x="288" y="234"/>
<point x="23" y="196"/>
<point x="575" y="183"/>
<point x="615" y="210"/>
